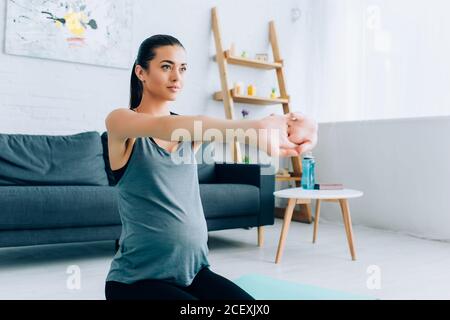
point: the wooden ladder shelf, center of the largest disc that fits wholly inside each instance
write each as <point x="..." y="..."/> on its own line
<point x="228" y="95"/>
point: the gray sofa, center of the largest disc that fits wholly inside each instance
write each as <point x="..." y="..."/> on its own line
<point x="58" y="189"/>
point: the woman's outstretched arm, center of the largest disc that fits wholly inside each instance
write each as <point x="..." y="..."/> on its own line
<point x="270" y="133"/>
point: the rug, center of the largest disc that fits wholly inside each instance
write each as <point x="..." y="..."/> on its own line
<point x="263" y="287"/>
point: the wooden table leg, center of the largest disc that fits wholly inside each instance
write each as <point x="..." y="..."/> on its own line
<point x="308" y="212"/>
<point x="316" y="220"/>
<point x="284" y="231"/>
<point x="348" y="225"/>
<point x="260" y="236"/>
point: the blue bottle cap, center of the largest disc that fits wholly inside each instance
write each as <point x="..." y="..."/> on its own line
<point x="308" y="155"/>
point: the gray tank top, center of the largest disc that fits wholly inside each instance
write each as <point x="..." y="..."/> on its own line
<point x="164" y="233"/>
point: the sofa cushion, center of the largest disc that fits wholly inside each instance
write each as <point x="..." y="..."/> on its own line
<point x="43" y="207"/>
<point x="227" y="200"/>
<point x="32" y="160"/>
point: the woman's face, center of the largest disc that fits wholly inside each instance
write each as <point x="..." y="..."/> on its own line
<point x="164" y="77"/>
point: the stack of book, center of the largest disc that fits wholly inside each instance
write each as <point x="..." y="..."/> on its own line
<point x="328" y="186"/>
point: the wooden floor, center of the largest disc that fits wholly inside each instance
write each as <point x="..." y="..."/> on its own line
<point x="410" y="268"/>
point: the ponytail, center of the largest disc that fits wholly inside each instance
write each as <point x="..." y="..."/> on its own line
<point x="135" y="90"/>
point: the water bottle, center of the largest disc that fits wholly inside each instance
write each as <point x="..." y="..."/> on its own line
<point x="308" y="174"/>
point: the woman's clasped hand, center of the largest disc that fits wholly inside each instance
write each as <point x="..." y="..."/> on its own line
<point x="288" y="135"/>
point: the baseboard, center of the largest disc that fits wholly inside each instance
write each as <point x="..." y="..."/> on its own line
<point x="300" y="214"/>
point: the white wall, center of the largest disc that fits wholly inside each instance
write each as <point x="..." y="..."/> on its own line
<point x="41" y="96"/>
<point x="378" y="59"/>
<point x="401" y="165"/>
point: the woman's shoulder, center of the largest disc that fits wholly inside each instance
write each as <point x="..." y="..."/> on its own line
<point x="126" y="110"/>
<point x="124" y="121"/>
<point x="119" y="115"/>
<point x="121" y="111"/>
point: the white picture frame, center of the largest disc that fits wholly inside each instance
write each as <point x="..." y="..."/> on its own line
<point x="94" y="32"/>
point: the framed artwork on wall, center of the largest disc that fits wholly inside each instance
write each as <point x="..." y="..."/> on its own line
<point x="85" y="31"/>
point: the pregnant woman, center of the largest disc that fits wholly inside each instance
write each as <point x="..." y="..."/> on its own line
<point x="163" y="252"/>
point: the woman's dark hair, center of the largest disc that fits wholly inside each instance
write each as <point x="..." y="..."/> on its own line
<point x="145" y="54"/>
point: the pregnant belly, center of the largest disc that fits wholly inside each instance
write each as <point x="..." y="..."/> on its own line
<point x="167" y="237"/>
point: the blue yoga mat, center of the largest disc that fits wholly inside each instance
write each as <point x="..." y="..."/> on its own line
<point x="266" y="288"/>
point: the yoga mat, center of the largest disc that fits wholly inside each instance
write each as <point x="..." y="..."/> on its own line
<point x="263" y="287"/>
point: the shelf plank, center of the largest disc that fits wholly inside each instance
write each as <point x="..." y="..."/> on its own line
<point x="284" y="178"/>
<point x="252" y="63"/>
<point x="218" y="96"/>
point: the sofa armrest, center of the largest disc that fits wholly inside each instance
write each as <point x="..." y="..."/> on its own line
<point x="252" y="174"/>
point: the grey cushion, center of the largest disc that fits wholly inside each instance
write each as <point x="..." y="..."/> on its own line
<point x="44" y="207"/>
<point x="12" y="238"/>
<point x="227" y="200"/>
<point x="31" y="160"/>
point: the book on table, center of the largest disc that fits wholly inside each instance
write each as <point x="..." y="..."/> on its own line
<point x="328" y="186"/>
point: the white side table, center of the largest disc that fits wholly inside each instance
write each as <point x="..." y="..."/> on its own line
<point x="302" y="196"/>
